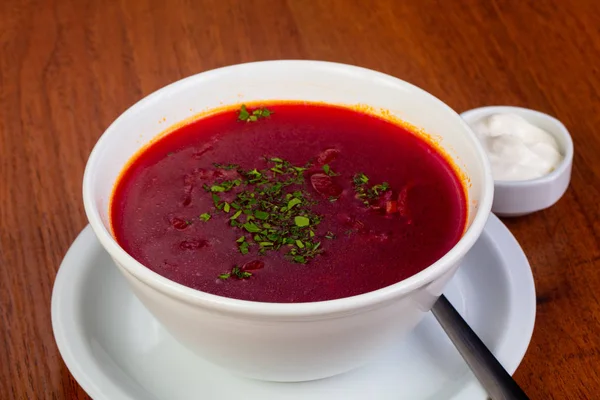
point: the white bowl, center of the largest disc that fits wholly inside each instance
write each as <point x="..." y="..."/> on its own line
<point x="286" y="342"/>
<point x="517" y="198"/>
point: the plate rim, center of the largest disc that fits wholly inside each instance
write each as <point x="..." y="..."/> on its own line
<point x="520" y="283"/>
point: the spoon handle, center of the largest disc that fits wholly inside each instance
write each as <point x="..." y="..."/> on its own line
<point x="493" y="377"/>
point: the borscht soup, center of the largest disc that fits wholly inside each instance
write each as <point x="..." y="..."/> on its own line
<point x="289" y="202"/>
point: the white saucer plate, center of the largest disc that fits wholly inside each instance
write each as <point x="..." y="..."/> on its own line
<point x="116" y="350"/>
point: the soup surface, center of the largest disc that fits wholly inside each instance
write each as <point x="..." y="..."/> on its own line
<point x="289" y="202"/>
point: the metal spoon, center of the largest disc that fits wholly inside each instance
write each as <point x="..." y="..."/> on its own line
<point x="493" y="377"/>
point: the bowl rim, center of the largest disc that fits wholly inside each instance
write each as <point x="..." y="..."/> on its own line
<point x="562" y="131"/>
<point x="248" y="308"/>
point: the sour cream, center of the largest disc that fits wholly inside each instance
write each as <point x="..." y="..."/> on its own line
<point x="517" y="150"/>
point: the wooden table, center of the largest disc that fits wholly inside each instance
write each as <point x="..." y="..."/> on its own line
<point x="68" y="68"/>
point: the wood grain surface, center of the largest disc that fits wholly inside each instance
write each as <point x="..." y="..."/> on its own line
<point x="69" y="68"/>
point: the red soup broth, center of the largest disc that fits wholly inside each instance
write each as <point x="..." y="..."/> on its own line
<point x="289" y="202"/>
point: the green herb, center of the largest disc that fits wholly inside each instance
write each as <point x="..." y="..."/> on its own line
<point x="251" y="227"/>
<point x="223" y="186"/>
<point x="365" y="193"/>
<point x="226" y="166"/>
<point x="264" y="112"/>
<point x="330" y="235"/>
<point x="236" y="272"/>
<point x="217" y="188"/>
<point x="254" y="176"/>
<point x="380" y="188"/>
<point x="237" y="214"/>
<point x="244" y="247"/>
<point x="360" y="179"/>
<point x="255" y="115"/>
<point x="274" y="206"/>
<point x="261" y="214"/>
<point x="301" y="221"/>
<point x="205" y="217"/>
<point x="328" y="171"/>
<point x="244" y="114"/>
<point x="293" y="202"/>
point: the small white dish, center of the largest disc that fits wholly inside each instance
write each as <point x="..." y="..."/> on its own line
<point x="117" y="351"/>
<point x="517" y="198"/>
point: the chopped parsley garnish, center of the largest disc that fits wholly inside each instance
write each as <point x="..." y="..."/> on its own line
<point x="236" y="272"/>
<point x="226" y="166"/>
<point x="251" y="227"/>
<point x="301" y="221"/>
<point x="328" y="171"/>
<point x="244" y="247"/>
<point x="360" y="179"/>
<point x="244" y="114"/>
<point x="293" y="202"/>
<point x="273" y="210"/>
<point x="224" y="186"/>
<point x="205" y="217"/>
<point x="253" y="116"/>
<point x="365" y="193"/>
<point x="378" y="189"/>
<point x="261" y="215"/>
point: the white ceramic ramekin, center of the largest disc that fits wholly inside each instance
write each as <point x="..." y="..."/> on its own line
<point x="286" y="342"/>
<point x="518" y="198"/>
